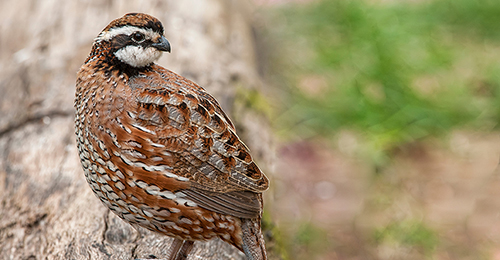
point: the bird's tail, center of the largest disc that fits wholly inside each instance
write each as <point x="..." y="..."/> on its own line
<point x="254" y="246"/>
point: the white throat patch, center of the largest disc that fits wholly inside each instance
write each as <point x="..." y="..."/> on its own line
<point x="137" y="56"/>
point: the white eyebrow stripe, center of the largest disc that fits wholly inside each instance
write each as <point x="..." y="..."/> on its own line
<point x="127" y="30"/>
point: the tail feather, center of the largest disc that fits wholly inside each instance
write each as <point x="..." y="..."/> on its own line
<point x="254" y="246"/>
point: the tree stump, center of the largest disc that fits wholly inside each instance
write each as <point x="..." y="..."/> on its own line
<point x="47" y="210"/>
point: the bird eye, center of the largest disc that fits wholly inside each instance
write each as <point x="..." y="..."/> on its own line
<point x="138" y="37"/>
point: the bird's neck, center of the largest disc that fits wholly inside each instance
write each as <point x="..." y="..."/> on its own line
<point x="103" y="57"/>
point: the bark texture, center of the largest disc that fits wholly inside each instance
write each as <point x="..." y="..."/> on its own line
<point x="47" y="210"/>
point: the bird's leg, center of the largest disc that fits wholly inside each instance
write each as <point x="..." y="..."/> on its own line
<point x="175" y="248"/>
<point x="179" y="250"/>
<point x="185" y="250"/>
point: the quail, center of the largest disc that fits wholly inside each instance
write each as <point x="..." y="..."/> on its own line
<point x="158" y="150"/>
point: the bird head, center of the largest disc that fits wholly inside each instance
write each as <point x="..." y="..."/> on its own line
<point x="135" y="39"/>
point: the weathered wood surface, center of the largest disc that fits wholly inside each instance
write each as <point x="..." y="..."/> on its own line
<point x="47" y="210"/>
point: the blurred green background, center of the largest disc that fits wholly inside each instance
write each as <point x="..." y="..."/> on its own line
<point x="404" y="96"/>
<point x="398" y="71"/>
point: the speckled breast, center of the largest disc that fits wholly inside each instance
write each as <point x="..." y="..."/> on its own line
<point x="140" y="186"/>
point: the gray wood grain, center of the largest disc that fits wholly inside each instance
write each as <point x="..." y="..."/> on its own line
<point x="47" y="210"/>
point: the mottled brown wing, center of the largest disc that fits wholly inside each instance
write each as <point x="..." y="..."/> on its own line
<point x="199" y="138"/>
<point x="242" y="204"/>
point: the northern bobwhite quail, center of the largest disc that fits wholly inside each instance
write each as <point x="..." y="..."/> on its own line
<point x="158" y="150"/>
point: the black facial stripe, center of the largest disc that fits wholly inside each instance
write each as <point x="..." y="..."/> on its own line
<point x="123" y="40"/>
<point x="145" y="43"/>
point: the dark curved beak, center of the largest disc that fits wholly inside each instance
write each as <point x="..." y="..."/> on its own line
<point x="162" y="44"/>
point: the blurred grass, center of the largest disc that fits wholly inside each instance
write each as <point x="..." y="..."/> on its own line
<point x="275" y="244"/>
<point x="309" y="241"/>
<point x="395" y="72"/>
<point x="412" y="234"/>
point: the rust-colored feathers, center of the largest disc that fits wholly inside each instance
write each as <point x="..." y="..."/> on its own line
<point x="157" y="149"/>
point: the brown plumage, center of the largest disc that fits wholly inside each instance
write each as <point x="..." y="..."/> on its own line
<point x="158" y="150"/>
